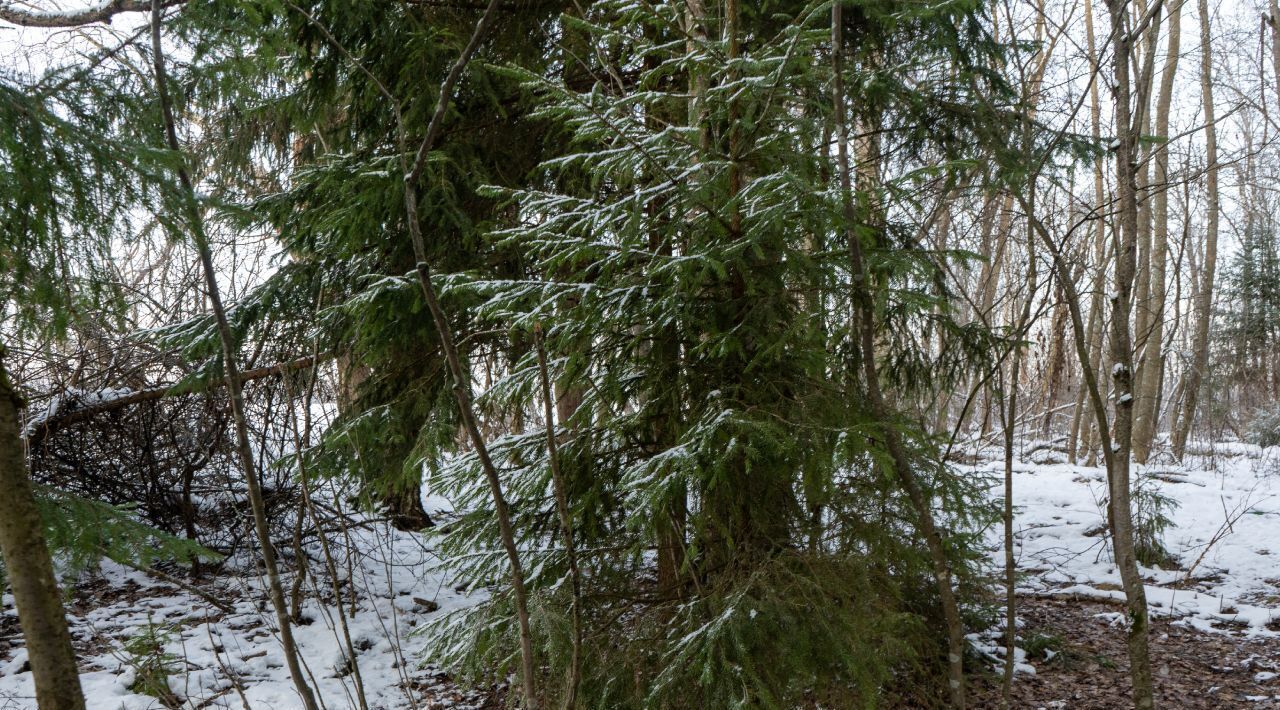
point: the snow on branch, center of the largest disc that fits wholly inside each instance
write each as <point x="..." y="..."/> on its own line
<point x="99" y="12"/>
<point x="82" y="406"/>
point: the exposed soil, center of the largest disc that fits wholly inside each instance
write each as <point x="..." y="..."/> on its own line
<point x="1089" y="665"/>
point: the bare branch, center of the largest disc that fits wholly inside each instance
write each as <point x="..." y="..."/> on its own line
<point x="101" y="12"/>
<point x="40" y="430"/>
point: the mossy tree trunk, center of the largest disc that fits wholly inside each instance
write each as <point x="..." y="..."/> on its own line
<point x="29" y="568"/>
<point x="1122" y="370"/>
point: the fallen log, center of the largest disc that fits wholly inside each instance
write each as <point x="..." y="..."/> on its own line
<point x="39" y="429"/>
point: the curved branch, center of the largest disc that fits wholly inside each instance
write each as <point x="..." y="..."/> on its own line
<point x="100" y="12"/>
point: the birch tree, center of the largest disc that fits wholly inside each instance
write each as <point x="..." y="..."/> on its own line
<point x="1203" y="310"/>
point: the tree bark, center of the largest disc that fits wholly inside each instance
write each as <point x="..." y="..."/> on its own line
<point x="235" y="384"/>
<point x="1010" y="417"/>
<point x="1094" y="334"/>
<point x="1057" y="361"/>
<point x="1274" y="20"/>
<point x="1122" y="531"/>
<point x="1204" y="295"/>
<point x="1151" y="371"/>
<point x="29" y="568"/>
<point x="400" y="498"/>
<point x="1142" y="156"/>
<point x="102" y="12"/>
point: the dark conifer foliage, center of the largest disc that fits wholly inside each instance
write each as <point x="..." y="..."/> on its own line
<point x="640" y="202"/>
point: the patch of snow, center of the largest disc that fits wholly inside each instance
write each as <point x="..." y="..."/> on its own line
<point x="1227" y="494"/>
<point x="15" y="665"/>
<point x="216" y="653"/>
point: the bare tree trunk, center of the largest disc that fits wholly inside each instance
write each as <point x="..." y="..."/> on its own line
<point x="1116" y="452"/>
<point x="1057" y="362"/>
<point x="1151" y="371"/>
<point x="990" y="280"/>
<point x="1135" y="594"/>
<point x="1274" y="20"/>
<point x="1122" y="532"/>
<point x="1010" y="417"/>
<point x="865" y="326"/>
<point x="566" y="522"/>
<point x="1095" y="334"/>
<point x="235" y="386"/>
<point x="672" y="518"/>
<point x="1080" y="436"/>
<point x="987" y="221"/>
<point x="1142" y="126"/>
<point x="461" y="381"/>
<point x="29" y="567"/>
<point x="1204" y="295"/>
<point x="991" y="272"/>
<point x="1082" y="432"/>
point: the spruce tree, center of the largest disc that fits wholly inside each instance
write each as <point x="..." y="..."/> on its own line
<point x="666" y="297"/>
<point x="672" y="263"/>
<point x="304" y="93"/>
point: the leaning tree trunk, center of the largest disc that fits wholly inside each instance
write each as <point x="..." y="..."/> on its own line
<point x="230" y="365"/>
<point x="458" y="373"/>
<point x="1204" y="296"/>
<point x="865" y="333"/>
<point x="29" y="568"/>
<point x="412" y="172"/>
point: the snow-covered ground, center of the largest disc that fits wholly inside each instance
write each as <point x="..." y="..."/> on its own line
<point x="1227" y="527"/>
<point x="1225" y="536"/>
<point x="234" y="660"/>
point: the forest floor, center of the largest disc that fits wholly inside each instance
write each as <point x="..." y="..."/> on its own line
<point x="1215" y="599"/>
<point x="1215" y="603"/>
<point x="1078" y="652"/>
<point x="215" y="658"/>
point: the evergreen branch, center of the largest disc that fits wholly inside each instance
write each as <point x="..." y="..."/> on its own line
<point x="446" y="93"/>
